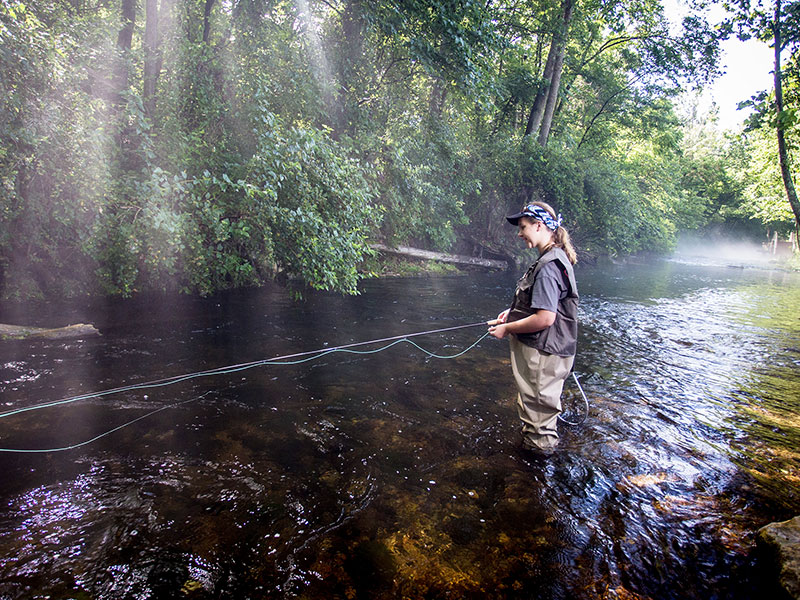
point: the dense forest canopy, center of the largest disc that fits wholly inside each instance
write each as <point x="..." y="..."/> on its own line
<point x="197" y="145"/>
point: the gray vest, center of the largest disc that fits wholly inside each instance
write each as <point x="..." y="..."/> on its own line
<point x="562" y="336"/>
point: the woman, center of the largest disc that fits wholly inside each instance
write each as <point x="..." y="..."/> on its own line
<point x="542" y="324"/>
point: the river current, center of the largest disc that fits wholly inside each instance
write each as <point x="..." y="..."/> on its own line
<point x="395" y="474"/>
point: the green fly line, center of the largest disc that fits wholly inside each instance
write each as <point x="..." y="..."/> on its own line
<point x="290" y="359"/>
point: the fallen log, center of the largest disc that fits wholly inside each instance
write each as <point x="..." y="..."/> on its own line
<point x="441" y="257"/>
<point x="18" y="332"/>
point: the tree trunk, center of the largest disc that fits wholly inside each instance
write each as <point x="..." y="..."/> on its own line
<point x="207" y="20"/>
<point x="152" y="64"/>
<point x="436" y="99"/>
<point x="783" y="152"/>
<point x="338" y="101"/>
<point x="558" y="66"/>
<point x="537" y="110"/>
<point x="124" y="41"/>
<point x="125" y="36"/>
<point x="552" y="97"/>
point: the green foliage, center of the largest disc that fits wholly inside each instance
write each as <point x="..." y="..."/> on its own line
<point x="53" y="172"/>
<point x="764" y="197"/>
<point x="282" y="138"/>
<point x="220" y="237"/>
<point x="319" y="204"/>
<point x="426" y="178"/>
<point x="779" y="25"/>
<point x="300" y="206"/>
<point x="451" y="40"/>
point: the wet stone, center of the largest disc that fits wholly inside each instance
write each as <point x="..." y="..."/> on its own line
<point x="780" y="543"/>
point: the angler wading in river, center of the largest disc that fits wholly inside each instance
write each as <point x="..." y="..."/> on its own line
<point x="542" y="324"/>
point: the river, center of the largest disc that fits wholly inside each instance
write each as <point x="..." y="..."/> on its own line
<point x="396" y="474"/>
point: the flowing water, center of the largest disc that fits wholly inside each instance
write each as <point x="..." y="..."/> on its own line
<point x="395" y="474"/>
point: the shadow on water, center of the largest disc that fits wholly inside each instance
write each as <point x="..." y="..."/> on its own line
<point x="395" y="474"/>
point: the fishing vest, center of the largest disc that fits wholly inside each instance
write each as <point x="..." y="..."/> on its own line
<point x="562" y="336"/>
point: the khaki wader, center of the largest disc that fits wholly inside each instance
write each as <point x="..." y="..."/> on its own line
<point x="540" y="380"/>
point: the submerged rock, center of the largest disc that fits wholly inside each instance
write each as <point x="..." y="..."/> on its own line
<point x="17" y="332"/>
<point x="782" y="542"/>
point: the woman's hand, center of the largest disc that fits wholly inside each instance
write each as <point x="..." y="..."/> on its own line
<point x="497" y="328"/>
<point x="498" y="331"/>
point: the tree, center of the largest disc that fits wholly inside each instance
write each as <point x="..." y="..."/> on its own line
<point x="755" y="164"/>
<point x="152" y="58"/>
<point x="124" y="42"/>
<point x="233" y="142"/>
<point x="779" y="25"/>
<point x="541" y="116"/>
<point x="629" y="43"/>
<point x="785" y="32"/>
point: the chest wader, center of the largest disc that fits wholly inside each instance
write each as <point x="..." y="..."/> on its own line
<point x="541" y="361"/>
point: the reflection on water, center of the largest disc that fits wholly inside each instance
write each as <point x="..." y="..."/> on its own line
<point x="398" y="475"/>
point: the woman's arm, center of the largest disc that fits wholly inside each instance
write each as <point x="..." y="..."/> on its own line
<point x="541" y="319"/>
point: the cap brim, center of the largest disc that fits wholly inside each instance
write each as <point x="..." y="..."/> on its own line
<point x="514" y="219"/>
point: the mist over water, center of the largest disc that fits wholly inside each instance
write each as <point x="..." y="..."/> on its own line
<point x="398" y="475"/>
<point x="722" y="250"/>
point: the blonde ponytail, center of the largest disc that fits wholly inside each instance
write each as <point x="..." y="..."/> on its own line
<point x="562" y="240"/>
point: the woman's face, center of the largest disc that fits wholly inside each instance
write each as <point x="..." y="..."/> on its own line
<point x="530" y="231"/>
